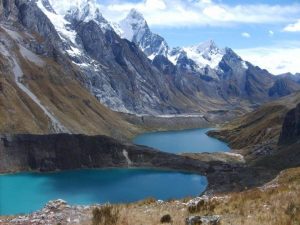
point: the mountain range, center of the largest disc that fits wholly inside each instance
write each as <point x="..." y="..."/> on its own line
<point x="63" y="67"/>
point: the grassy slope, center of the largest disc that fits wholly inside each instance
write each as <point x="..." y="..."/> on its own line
<point x="60" y="92"/>
<point x="260" y="126"/>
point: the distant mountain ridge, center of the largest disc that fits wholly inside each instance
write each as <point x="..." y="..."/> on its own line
<point x="141" y="75"/>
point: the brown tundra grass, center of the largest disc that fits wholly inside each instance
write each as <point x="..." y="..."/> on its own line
<point x="277" y="203"/>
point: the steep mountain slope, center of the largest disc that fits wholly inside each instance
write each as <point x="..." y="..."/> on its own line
<point x="290" y="132"/>
<point x="39" y="88"/>
<point x="284" y="86"/>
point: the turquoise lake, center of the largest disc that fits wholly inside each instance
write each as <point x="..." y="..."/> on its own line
<point x="194" y="140"/>
<point x="27" y="192"/>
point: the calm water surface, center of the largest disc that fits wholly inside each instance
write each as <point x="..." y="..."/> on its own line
<point x="194" y="140"/>
<point x="27" y="192"/>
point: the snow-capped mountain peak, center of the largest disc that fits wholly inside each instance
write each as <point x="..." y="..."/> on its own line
<point x="134" y="26"/>
<point x="64" y="13"/>
<point x="84" y="11"/>
<point x="83" y="6"/>
<point x="206" y="47"/>
<point x="135" y="15"/>
<point x="205" y="54"/>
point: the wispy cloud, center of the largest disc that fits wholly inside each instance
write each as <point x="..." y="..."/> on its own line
<point x="174" y="13"/>
<point x="246" y="35"/>
<point x="276" y="59"/>
<point x="271" y="33"/>
<point x="294" y="27"/>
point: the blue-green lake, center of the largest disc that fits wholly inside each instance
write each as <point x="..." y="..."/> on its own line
<point x="27" y="192"/>
<point x="194" y="140"/>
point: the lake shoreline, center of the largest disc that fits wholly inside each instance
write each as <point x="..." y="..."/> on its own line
<point x="193" y="140"/>
<point x="91" y="186"/>
<point x="31" y="153"/>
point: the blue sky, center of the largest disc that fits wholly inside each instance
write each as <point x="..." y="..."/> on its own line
<point x="264" y="32"/>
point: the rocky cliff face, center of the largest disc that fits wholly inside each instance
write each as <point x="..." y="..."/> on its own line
<point x="63" y="151"/>
<point x="290" y="132"/>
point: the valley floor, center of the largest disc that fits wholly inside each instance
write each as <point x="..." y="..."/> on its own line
<point x="276" y="203"/>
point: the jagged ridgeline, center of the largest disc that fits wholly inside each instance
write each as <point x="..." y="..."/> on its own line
<point x="65" y="68"/>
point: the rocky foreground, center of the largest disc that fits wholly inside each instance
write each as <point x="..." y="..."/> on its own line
<point x="276" y="203"/>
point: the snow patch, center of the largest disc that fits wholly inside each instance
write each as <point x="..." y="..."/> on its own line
<point x="152" y="56"/>
<point x="174" y="58"/>
<point x="181" y="116"/>
<point x="244" y="65"/>
<point x="60" y="23"/>
<point x="125" y="154"/>
<point x="29" y="55"/>
<point x="239" y="156"/>
<point x="82" y="64"/>
<point x="73" y="51"/>
<point x="13" y="34"/>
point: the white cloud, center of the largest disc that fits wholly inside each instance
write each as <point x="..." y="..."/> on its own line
<point x="276" y="59"/>
<point x="294" y="27"/>
<point x="206" y="1"/>
<point x="174" y="13"/>
<point x="271" y="33"/>
<point x="246" y="35"/>
<point x="155" y="4"/>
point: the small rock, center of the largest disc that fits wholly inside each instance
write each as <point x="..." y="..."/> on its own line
<point x="203" y="220"/>
<point x="76" y="221"/>
<point x="166" y="219"/>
